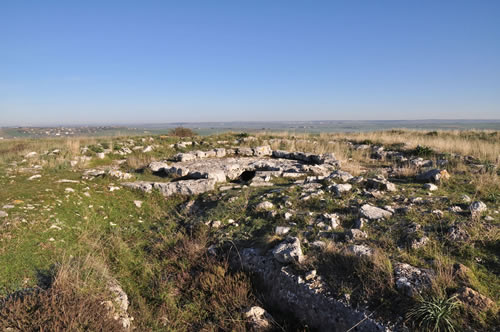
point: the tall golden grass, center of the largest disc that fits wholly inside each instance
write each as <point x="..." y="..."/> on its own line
<point x="481" y="144"/>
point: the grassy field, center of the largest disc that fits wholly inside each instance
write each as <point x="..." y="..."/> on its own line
<point x="65" y="233"/>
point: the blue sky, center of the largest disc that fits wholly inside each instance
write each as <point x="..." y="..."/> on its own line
<point x="64" y="62"/>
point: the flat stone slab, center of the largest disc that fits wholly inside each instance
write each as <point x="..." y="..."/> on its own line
<point x="231" y="168"/>
<point x="185" y="187"/>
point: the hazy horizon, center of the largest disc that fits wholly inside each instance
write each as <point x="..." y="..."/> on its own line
<point x="70" y="63"/>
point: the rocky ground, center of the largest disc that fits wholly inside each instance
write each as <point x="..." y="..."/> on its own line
<point x="235" y="232"/>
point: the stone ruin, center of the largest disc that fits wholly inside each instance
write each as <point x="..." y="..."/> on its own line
<point x="199" y="171"/>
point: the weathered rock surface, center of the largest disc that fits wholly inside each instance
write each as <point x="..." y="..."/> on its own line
<point x="433" y="175"/>
<point x="476" y="208"/>
<point x="119" y="174"/>
<point x="186" y="187"/>
<point x="360" y="250"/>
<point x="264" y="206"/>
<point x="474" y="299"/>
<point x="430" y="187"/>
<point x="411" y="280"/>
<point x="340" y="188"/>
<point x="373" y="213"/>
<point x="258" y="318"/>
<point x="342" y="175"/>
<point x="380" y="183"/>
<point x="120" y="311"/>
<point x="308" y="300"/>
<point x="157" y="166"/>
<point x="289" y="251"/>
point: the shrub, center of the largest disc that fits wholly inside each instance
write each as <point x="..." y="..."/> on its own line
<point x="182" y="132"/>
<point x="423" y="151"/>
<point x="96" y="148"/>
<point x="58" y="308"/>
<point x="435" y="314"/>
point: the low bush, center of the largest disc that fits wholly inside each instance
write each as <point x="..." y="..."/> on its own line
<point x="182" y="132"/>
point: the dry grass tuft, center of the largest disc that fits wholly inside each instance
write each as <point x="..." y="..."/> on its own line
<point x="62" y="306"/>
<point x="139" y="160"/>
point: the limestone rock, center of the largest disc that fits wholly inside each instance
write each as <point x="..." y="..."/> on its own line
<point x="331" y="219"/>
<point x="258" y="319"/>
<point x="186" y="187"/>
<point x="380" y="183"/>
<point x="264" y="206"/>
<point x="157" y="166"/>
<point x="121" y="299"/>
<point x="373" y="213"/>
<point x="430" y="187"/>
<point x="338" y="189"/>
<point x="281" y="230"/>
<point x="434" y="175"/>
<point x="474" y="299"/>
<point x="355" y="234"/>
<point x="262" y="151"/>
<point x="248" y="152"/>
<point x="140" y="185"/>
<point x="31" y="154"/>
<point x="184" y="157"/>
<point x="360" y="250"/>
<point x="343" y="176"/>
<point x="289" y="251"/>
<point x="477" y="207"/>
<point x="411" y="280"/>
<point x="220" y="152"/>
<point x="119" y="174"/>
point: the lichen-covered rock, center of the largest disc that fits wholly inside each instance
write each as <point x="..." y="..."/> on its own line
<point x="289" y="251"/>
<point x="411" y="280"/>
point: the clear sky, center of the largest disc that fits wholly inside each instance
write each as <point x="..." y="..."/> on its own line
<point x="64" y="62"/>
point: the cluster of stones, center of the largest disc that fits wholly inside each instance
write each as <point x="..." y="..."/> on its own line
<point x="201" y="170"/>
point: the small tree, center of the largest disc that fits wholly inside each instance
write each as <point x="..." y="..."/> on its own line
<point x="182" y="132"/>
